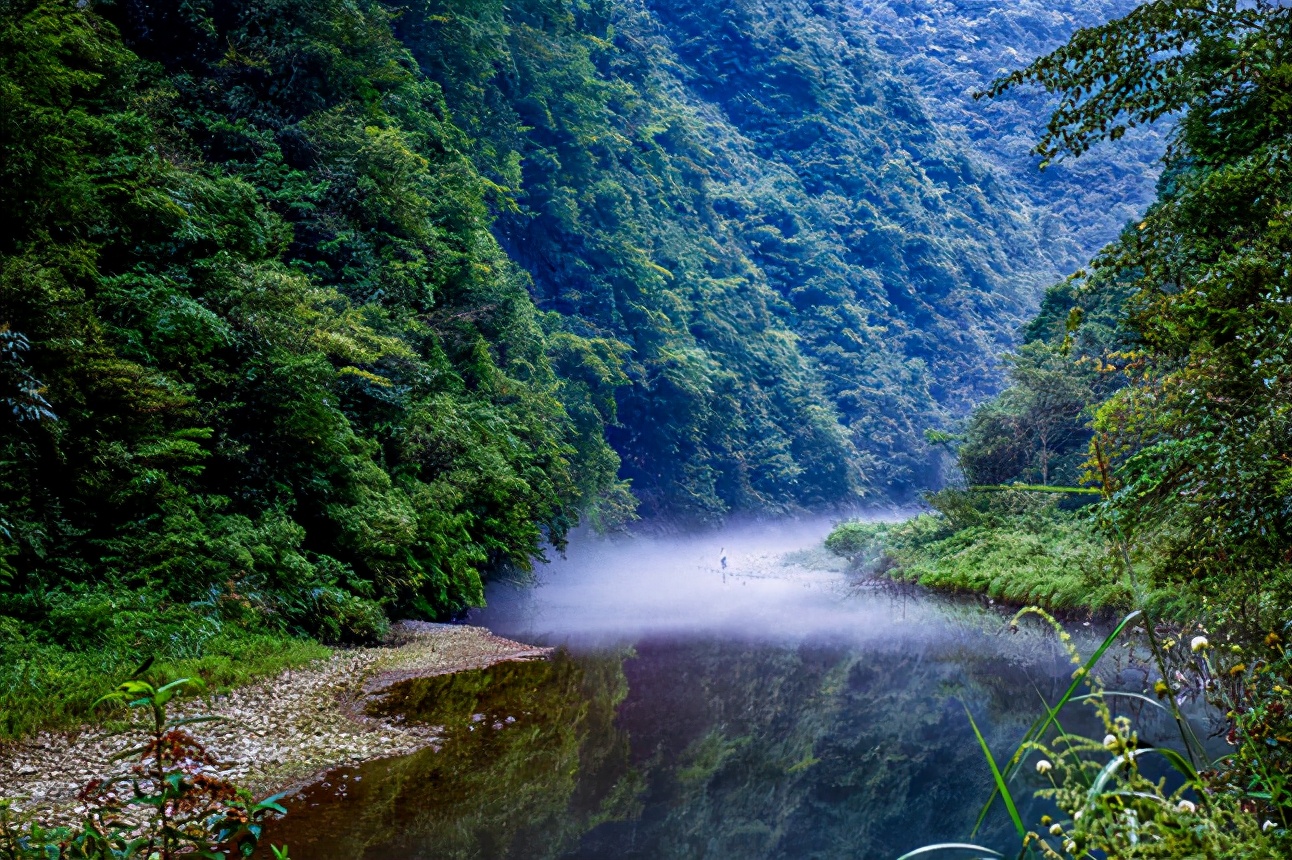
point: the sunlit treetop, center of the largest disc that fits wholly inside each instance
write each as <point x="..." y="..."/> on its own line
<point x="1225" y="63"/>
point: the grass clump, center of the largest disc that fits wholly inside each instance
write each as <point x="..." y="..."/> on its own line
<point x="1011" y="549"/>
<point x="46" y="683"/>
<point x="1013" y="546"/>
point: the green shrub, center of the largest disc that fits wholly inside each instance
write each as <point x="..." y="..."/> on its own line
<point x="1010" y="548"/>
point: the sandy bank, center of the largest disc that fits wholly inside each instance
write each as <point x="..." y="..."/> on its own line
<point x="277" y="733"/>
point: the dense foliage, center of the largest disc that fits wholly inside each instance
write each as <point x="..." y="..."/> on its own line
<point x="1169" y="359"/>
<point x="954" y="49"/>
<point x="265" y="365"/>
<point x="313" y="313"/>
<point x="267" y="319"/>
<point x="805" y="271"/>
<point x="262" y="352"/>
<point x="1169" y="351"/>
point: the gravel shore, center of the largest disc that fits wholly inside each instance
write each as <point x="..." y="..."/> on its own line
<point x="276" y="734"/>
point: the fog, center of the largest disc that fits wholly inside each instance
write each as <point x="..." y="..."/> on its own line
<point x="778" y="583"/>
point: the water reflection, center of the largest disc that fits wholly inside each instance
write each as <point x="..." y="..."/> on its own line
<point x="797" y="718"/>
<point x="530" y="759"/>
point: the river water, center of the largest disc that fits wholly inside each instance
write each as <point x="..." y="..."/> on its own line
<point x="769" y="709"/>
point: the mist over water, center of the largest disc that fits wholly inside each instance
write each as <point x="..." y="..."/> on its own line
<point x="777" y="708"/>
<point x="779" y="583"/>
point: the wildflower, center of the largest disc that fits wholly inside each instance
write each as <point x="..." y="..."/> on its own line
<point x="1046" y="820"/>
<point x="1268" y="826"/>
<point x="1199" y="643"/>
<point x="1161" y="689"/>
<point x="1110" y="742"/>
<point x="1043" y="766"/>
<point x="1238" y="669"/>
<point x="1272" y="640"/>
<point x="1187" y="806"/>
<point x="1070" y="846"/>
<point x="1237" y="649"/>
<point x="1056" y="829"/>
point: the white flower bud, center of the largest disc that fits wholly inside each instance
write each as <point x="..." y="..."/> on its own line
<point x="1199" y="643"/>
<point x="1268" y="826"/>
<point x="1043" y="766"/>
<point x="1110" y="742"/>
<point x="1187" y="806"/>
<point x="1056" y="829"/>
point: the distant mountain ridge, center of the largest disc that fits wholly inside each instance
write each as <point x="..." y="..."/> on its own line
<point x="952" y="49"/>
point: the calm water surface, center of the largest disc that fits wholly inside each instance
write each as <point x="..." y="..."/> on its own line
<point x="769" y="710"/>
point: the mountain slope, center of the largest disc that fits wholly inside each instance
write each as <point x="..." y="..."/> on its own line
<point x="805" y="270"/>
<point x="315" y="311"/>
<point x="951" y="49"/>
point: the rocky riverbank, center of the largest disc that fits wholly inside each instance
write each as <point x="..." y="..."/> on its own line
<point x="275" y="734"/>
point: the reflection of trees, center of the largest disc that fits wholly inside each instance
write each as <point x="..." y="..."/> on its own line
<point x="738" y="751"/>
<point x="526" y="788"/>
<point x="759" y="751"/>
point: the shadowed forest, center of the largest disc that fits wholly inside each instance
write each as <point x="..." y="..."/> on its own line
<point x="315" y="316"/>
<point x="317" y="313"/>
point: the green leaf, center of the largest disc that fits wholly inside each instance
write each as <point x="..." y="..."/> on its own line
<point x="1001" y="786"/>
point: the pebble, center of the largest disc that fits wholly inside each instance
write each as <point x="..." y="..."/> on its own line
<point x="277" y="733"/>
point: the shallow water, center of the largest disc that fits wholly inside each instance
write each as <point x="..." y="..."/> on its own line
<point x="771" y="709"/>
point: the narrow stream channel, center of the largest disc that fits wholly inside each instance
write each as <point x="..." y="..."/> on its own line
<point x="771" y="709"/>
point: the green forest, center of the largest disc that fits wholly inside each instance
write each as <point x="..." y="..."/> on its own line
<point x="1139" y="457"/>
<point x="954" y="49"/>
<point x="315" y="315"/>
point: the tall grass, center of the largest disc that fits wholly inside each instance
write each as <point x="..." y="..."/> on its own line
<point x="1112" y="809"/>
<point x="50" y="686"/>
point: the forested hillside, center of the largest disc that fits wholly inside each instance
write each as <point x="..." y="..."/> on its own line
<point x="1140" y="458"/>
<point x="749" y="201"/>
<point x="953" y="49"/>
<point x="317" y="312"/>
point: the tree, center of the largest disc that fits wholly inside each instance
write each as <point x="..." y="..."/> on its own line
<point x="1195" y="449"/>
<point x="1039" y="419"/>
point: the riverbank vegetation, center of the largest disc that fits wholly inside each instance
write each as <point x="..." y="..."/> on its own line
<point x="163" y="801"/>
<point x="1154" y="384"/>
<point x="315" y="314"/>
<point x="1041" y="555"/>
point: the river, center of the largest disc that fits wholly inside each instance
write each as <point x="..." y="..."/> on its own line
<point x="769" y="709"/>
